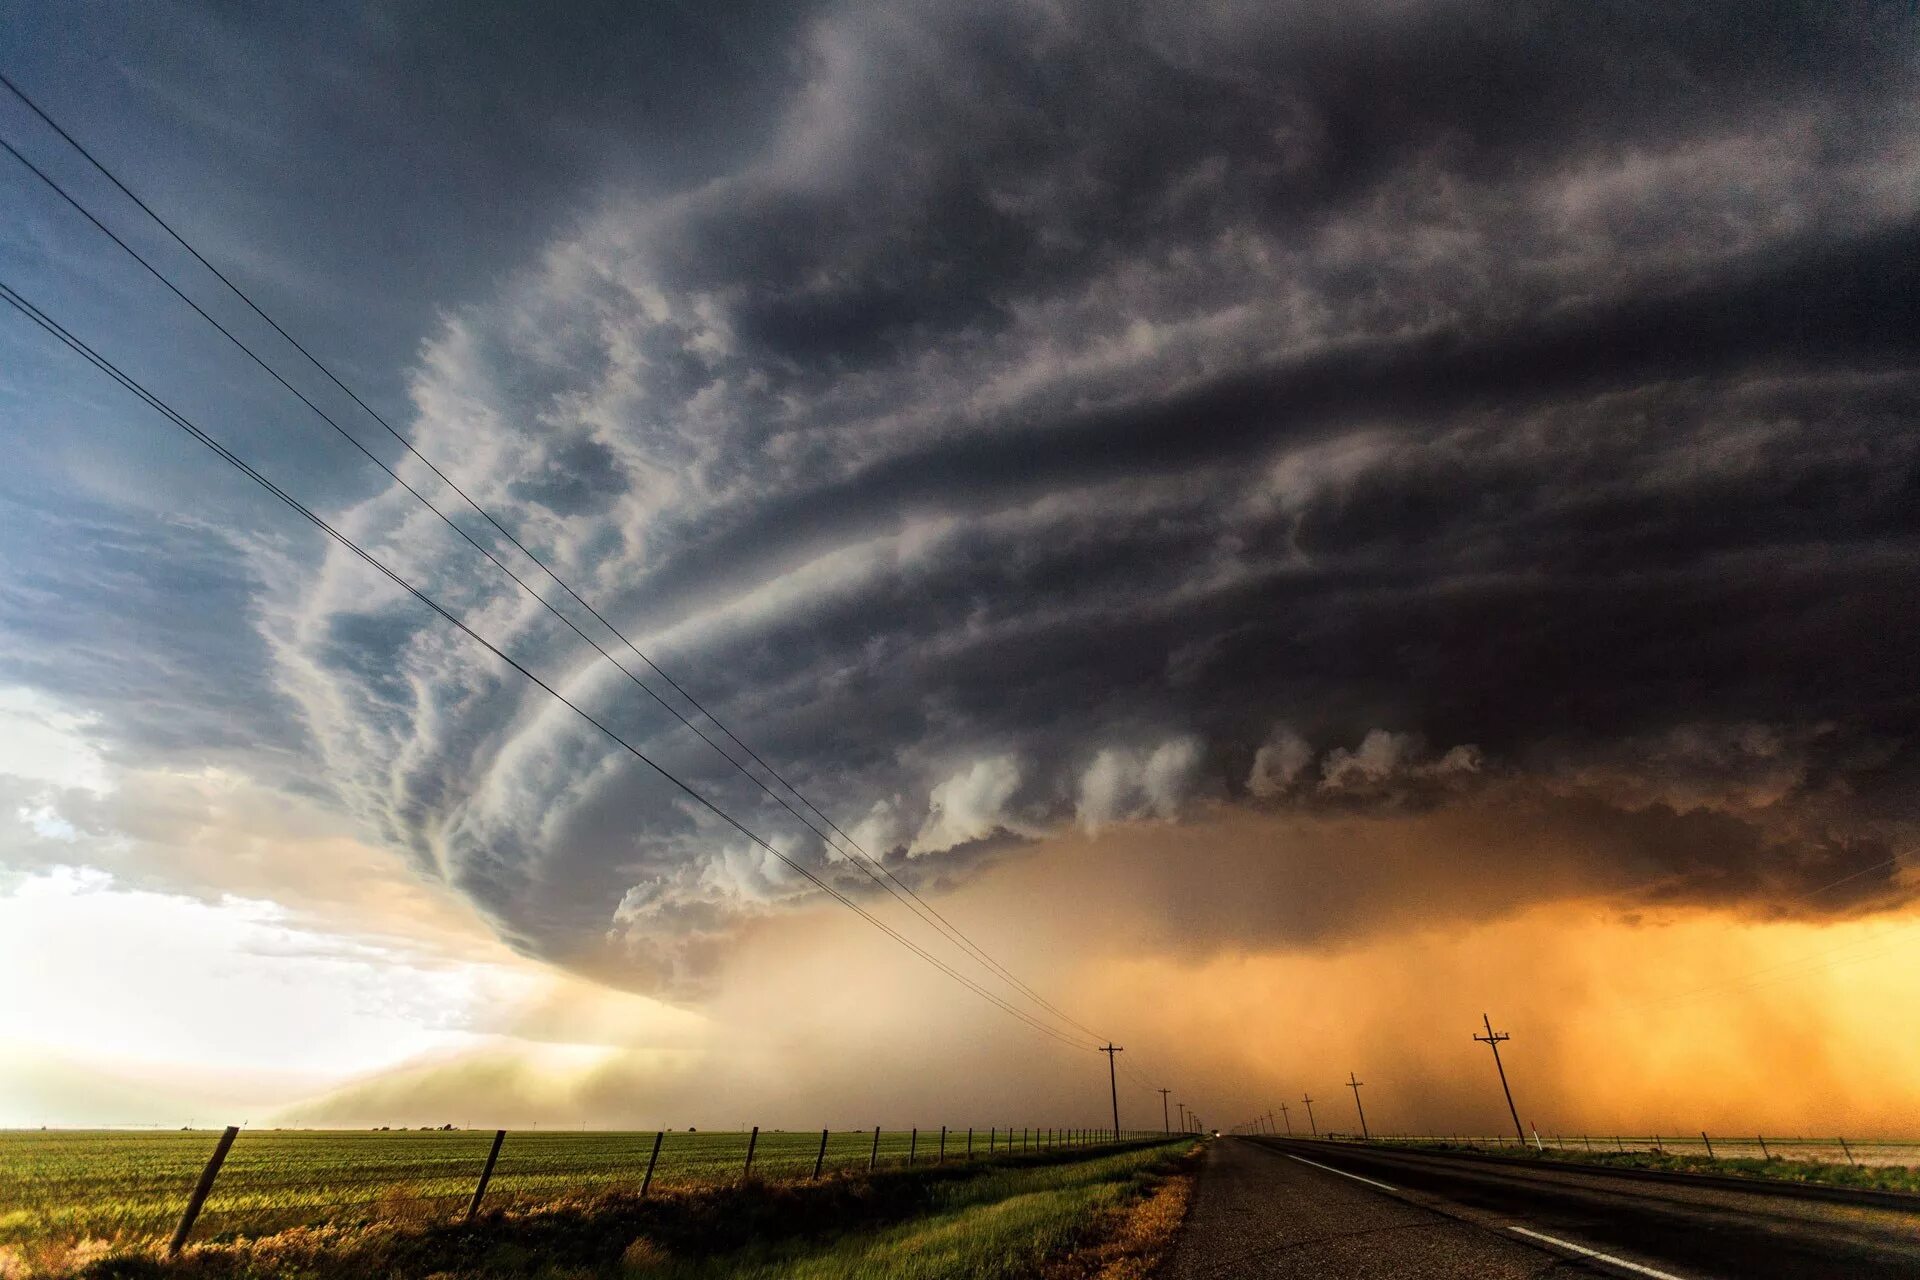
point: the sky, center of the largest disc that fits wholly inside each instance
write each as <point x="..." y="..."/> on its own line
<point x="1293" y="526"/>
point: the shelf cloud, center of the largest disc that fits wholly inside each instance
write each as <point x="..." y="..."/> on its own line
<point x="1432" y="417"/>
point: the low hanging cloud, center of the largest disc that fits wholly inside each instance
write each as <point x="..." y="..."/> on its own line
<point x="1424" y="409"/>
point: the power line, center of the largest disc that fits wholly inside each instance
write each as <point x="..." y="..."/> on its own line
<point x="863" y="860"/>
<point x="79" y="347"/>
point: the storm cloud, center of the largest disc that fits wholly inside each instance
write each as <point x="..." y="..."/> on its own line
<point x="1054" y="416"/>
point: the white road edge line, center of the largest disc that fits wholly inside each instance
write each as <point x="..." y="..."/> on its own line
<point x="1343" y="1173"/>
<point x="1595" y="1253"/>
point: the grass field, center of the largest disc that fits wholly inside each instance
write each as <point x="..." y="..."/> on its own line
<point x="120" y="1187"/>
<point x="1075" y="1211"/>
<point x="1784" y="1162"/>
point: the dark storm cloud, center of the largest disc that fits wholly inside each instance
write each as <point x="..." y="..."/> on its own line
<point x="1014" y="415"/>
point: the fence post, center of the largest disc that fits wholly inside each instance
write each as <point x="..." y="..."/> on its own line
<point x="990" y="1136"/>
<point x="200" y="1190"/>
<point x="1849" y="1150"/>
<point x="486" y="1173"/>
<point x="1023" y="1139"/>
<point x="969" y="1144"/>
<point x="874" y="1156"/>
<point x="1589" y="1141"/>
<point x="1709" y="1141"/>
<point x="652" y="1160"/>
<point x="913" y="1145"/>
<point x="822" y="1157"/>
<point x="1761" y="1138"/>
<point x="942" y="1157"/>
<point x="753" y="1140"/>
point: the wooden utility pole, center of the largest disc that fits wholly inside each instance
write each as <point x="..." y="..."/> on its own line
<point x="1287" y="1119"/>
<point x="1310" y="1124"/>
<point x="1492" y="1040"/>
<point x="1113" y="1085"/>
<point x="1184" y="1127"/>
<point x="1353" y="1083"/>
<point x="1166" y="1125"/>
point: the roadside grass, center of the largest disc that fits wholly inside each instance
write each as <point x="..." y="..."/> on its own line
<point x="1891" y="1177"/>
<point x="1003" y="1224"/>
<point x="982" y="1222"/>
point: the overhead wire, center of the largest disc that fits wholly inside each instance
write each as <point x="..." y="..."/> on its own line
<point x="27" y="308"/>
<point x="862" y="859"/>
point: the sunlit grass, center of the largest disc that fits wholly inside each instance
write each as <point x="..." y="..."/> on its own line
<point x="983" y="1221"/>
<point x="120" y="1187"/>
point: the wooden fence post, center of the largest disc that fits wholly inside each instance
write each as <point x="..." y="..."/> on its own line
<point x="913" y="1144"/>
<point x="753" y="1140"/>
<point x="969" y="1144"/>
<point x="1849" y="1150"/>
<point x="942" y="1158"/>
<point x="486" y="1173"/>
<point x="1761" y="1138"/>
<point x="874" y="1156"/>
<point x="820" y="1159"/>
<point x="652" y="1160"/>
<point x="992" y="1134"/>
<point x="1709" y="1141"/>
<point x="200" y="1190"/>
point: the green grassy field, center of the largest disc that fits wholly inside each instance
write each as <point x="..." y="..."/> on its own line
<point x="985" y="1221"/>
<point x="121" y="1186"/>
<point x="1875" y="1177"/>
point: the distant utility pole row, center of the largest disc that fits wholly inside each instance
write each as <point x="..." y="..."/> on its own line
<point x="1492" y="1039"/>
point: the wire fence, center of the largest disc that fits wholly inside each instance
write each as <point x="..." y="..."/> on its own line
<point x="1861" y="1152"/>
<point x="128" y="1187"/>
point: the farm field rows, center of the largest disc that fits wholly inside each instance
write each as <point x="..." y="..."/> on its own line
<point x="121" y="1186"/>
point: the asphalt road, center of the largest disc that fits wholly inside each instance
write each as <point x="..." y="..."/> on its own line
<point x="1270" y="1208"/>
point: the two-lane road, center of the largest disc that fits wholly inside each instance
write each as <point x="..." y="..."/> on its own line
<point x="1270" y="1207"/>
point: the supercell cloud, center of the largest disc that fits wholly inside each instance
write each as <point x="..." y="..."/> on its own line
<point x="1056" y="416"/>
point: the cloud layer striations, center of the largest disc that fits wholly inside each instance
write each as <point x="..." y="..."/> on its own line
<point x="1073" y="415"/>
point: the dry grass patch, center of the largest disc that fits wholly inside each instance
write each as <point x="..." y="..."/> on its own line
<point x="1129" y="1242"/>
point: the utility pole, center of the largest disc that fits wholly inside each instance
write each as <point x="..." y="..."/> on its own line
<point x="1166" y="1126"/>
<point x="1353" y="1083"/>
<point x="1182" y="1107"/>
<point x="1492" y="1040"/>
<point x="1310" y="1124"/>
<point x="1287" y="1119"/>
<point x="1113" y="1086"/>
